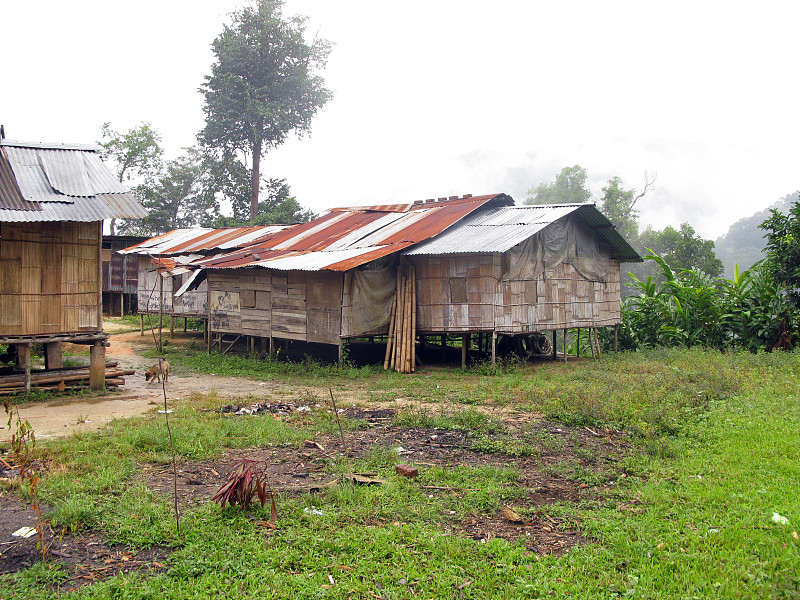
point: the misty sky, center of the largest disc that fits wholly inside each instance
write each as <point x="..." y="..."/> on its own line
<point x="442" y="97"/>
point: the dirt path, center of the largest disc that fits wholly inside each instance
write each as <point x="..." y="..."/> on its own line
<point x="62" y="417"/>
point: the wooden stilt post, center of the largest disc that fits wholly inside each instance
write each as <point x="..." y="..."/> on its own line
<point x="564" y="345"/>
<point x="341" y="351"/>
<point x="97" y="366"/>
<point x="494" y="351"/>
<point x="444" y="347"/>
<point x="578" y="342"/>
<point x="263" y="346"/>
<point x="53" y="359"/>
<point x="185" y="324"/>
<point x="141" y="324"/>
<point x="464" y="339"/>
<point x="616" y="337"/>
<point x="555" y="354"/>
<point x="24" y="361"/>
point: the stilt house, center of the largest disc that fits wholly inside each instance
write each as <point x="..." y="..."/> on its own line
<point x="162" y="272"/>
<point x="471" y="265"/>
<point x="120" y="275"/>
<point x="53" y="199"/>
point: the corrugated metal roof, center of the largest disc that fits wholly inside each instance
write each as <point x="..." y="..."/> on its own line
<point x="500" y="229"/>
<point x="62" y="183"/>
<point x="10" y="194"/>
<point x="200" y="239"/>
<point x="348" y="237"/>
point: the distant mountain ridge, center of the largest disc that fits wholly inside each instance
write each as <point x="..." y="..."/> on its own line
<point x="744" y="243"/>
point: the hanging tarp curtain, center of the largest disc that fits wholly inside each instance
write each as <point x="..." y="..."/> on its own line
<point x="567" y="240"/>
<point x="370" y="289"/>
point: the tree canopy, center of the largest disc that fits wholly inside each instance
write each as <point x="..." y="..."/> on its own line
<point x="135" y="155"/>
<point x="569" y="187"/>
<point x="683" y="249"/>
<point x="263" y="85"/>
<point x="176" y="197"/>
<point x="783" y="249"/>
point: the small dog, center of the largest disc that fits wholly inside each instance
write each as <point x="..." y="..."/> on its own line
<point x="158" y="370"/>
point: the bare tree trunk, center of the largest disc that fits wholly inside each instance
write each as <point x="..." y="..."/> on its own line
<point x="254" y="184"/>
<point x="111" y="224"/>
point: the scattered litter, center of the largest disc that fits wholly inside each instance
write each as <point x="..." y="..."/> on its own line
<point x="399" y="449"/>
<point x="779" y="519"/>
<point x="312" y="510"/>
<point x="24" y="532"/>
<point x="364" y="479"/>
<point x="277" y="408"/>
<point x="313" y="444"/>
<point x="161" y="412"/>
<point x="509" y="514"/>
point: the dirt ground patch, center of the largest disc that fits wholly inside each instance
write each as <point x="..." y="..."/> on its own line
<point x="63" y="416"/>
<point x="87" y="557"/>
<point x="292" y="471"/>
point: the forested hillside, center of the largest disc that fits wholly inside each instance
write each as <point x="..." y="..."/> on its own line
<point x="744" y="242"/>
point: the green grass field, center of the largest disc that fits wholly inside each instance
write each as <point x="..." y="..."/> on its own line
<point x="707" y="450"/>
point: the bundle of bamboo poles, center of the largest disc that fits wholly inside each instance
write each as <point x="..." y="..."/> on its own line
<point x="62" y="379"/>
<point x="401" y="353"/>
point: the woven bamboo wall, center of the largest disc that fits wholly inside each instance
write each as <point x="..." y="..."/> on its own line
<point x="295" y="305"/>
<point x="465" y="293"/>
<point x="49" y="278"/>
<point x="457" y="293"/>
<point x="564" y="299"/>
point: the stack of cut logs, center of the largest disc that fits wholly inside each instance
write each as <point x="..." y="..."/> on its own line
<point x="66" y="378"/>
<point x="401" y="354"/>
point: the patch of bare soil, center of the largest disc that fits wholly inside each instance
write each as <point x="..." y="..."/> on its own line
<point x="293" y="471"/>
<point x="85" y="556"/>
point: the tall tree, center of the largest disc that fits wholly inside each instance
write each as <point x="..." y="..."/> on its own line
<point x="619" y="205"/>
<point x="263" y="85"/>
<point x="783" y="249"/>
<point x="569" y="187"/>
<point x="229" y="179"/>
<point x="683" y="249"/>
<point x="136" y="154"/>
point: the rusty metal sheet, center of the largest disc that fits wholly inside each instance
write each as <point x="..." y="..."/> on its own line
<point x="199" y="239"/>
<point x="345" y="238"/>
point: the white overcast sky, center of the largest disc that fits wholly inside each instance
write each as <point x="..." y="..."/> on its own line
<point x="437" y="98"/>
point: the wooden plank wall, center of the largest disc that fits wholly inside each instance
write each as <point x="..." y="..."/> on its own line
<point x="49" y="278"/>
<point x="294" y="305"/>
<point x="457" y="293"/>
<point x="148" y="287"/>
<point x="192" y="303"/>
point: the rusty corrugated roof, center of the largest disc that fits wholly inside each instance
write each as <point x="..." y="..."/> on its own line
<point x="201" y="239"/>
<point x="346" y="238"/>
<point x="60" y="182"/>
